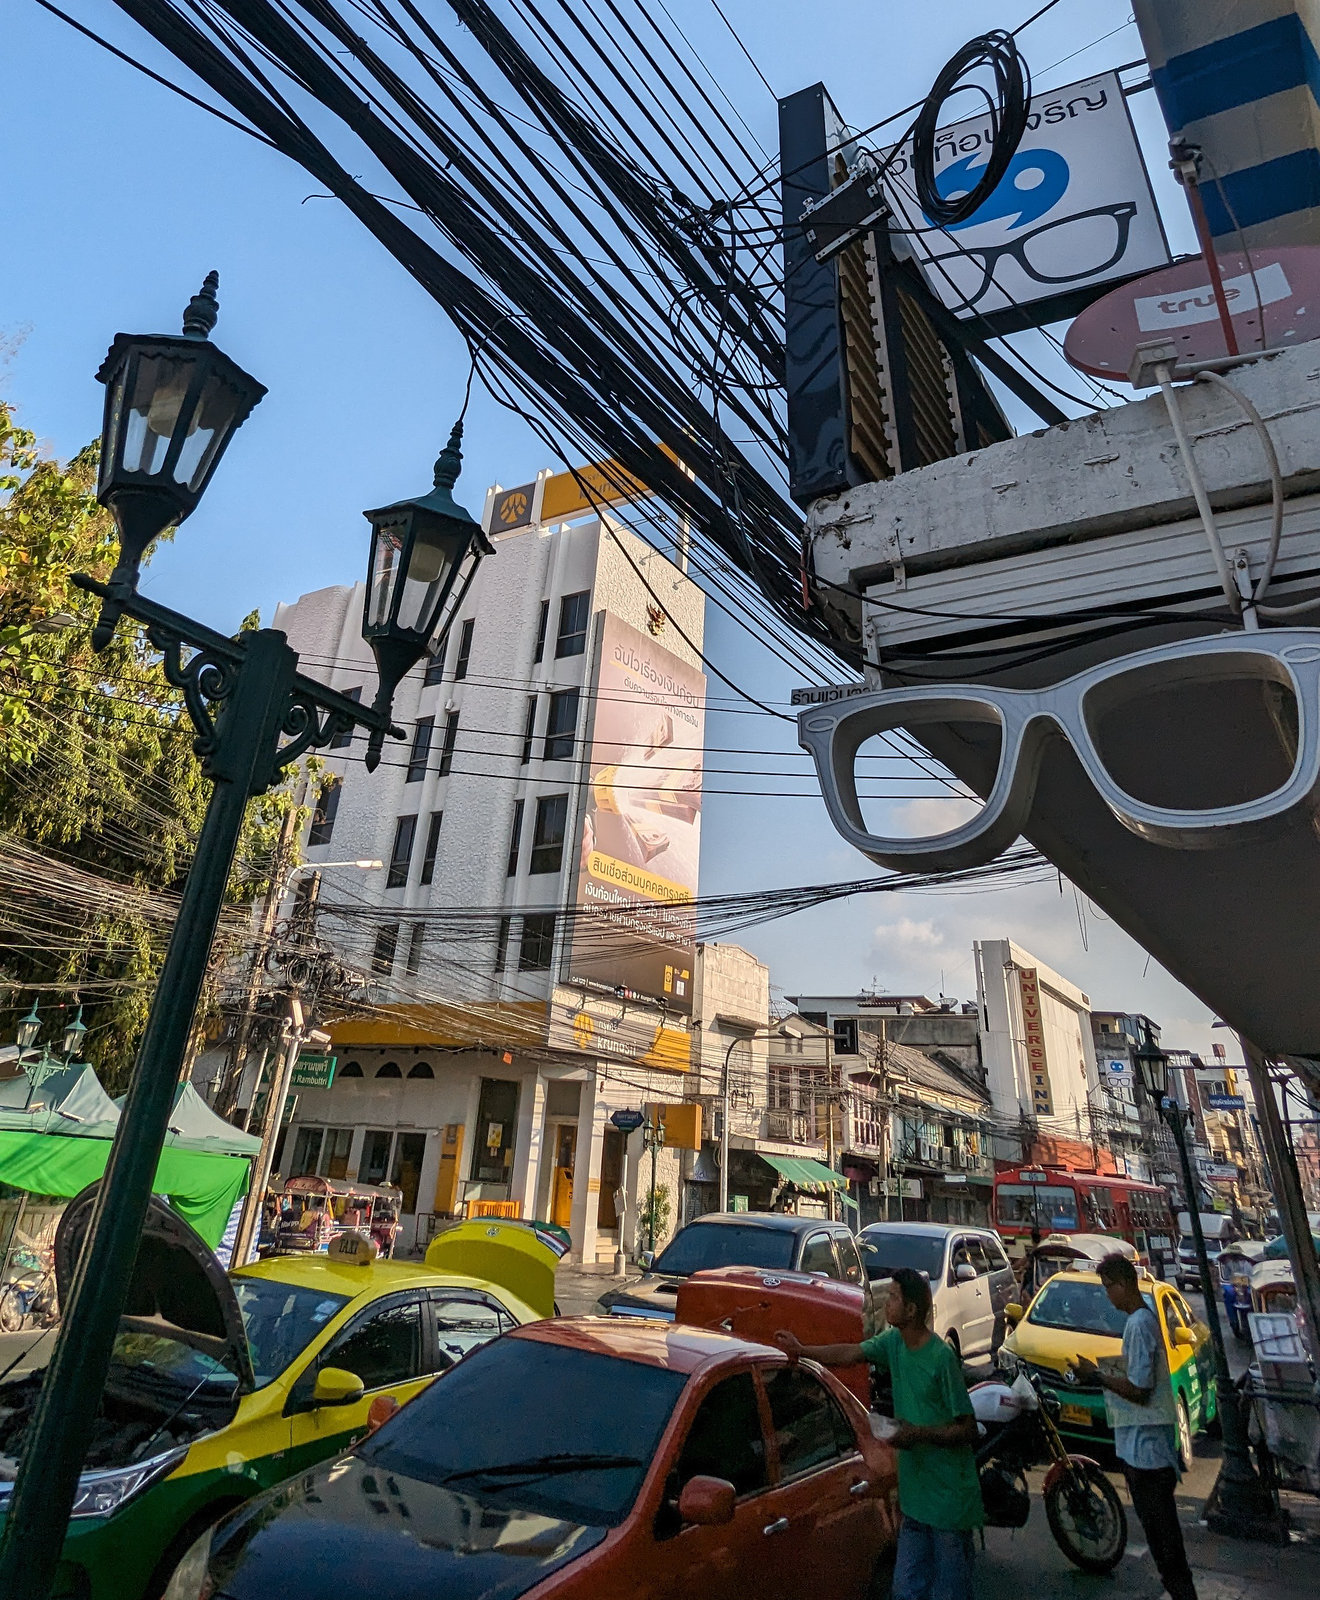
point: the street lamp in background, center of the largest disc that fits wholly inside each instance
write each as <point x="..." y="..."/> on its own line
<point x="1239" y="1503"/>
<point x="172" y="405"/>
<point x="743" y="1038"/>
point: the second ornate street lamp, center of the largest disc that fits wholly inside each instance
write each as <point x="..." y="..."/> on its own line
<point x="424" y="556"/>
<point x="172" y="406"/>
<point x="1239" y="1503"/>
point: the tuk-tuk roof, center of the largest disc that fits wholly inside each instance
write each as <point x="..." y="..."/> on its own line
<point x="341" y="1188"/>
<point x="1267" y="1272"/>
<point x="1079" y="1246"/>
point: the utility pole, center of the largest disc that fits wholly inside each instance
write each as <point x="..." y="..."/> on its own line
<point x="227" y="1097"/>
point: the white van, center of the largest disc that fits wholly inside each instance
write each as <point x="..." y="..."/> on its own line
<point x="1219" y="1230"/>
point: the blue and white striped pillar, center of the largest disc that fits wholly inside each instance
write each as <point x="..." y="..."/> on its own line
<point x="1241" y="78"/>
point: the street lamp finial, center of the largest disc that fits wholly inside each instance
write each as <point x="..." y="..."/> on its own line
<point x="203" y="310"/>
<point x="449" y="463"/>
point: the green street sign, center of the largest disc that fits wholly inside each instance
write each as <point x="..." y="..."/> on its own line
<point x="313" y="1072"/>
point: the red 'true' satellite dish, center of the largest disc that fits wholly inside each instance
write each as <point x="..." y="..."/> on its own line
<point x="1273" y="298"/>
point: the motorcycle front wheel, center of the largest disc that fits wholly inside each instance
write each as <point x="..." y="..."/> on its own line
<point x="1087" y="1518"/>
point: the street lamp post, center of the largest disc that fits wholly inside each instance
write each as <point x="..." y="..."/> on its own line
<point x="1239" y="1504"/>
<point x="172" y="406"/>
<point x="653" y="1139"/>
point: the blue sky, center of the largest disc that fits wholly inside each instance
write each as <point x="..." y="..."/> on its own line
<point x="122" y="196"/>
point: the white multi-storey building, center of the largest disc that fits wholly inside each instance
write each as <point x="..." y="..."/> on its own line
<point x="500" y="1049"/>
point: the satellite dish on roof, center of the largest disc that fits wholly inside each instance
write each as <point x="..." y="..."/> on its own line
<point x="1273" y="299"/>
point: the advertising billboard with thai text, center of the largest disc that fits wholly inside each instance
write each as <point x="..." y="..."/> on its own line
<point x="634" y="934"/>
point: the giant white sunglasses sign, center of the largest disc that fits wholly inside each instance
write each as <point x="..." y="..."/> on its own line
<point x="1074" y="210"/>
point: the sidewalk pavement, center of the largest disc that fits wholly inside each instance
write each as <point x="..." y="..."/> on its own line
<point x="577" y="1288"/>
<point x="1224" y="1568"/>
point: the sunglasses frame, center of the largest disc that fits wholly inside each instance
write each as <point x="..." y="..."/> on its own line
<point x="1028" y="719"/>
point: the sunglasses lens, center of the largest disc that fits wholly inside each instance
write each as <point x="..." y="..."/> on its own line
<point x="1195" y="746"/>
<point x="916" y="791"/>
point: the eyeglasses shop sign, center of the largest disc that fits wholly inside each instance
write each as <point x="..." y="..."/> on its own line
<point x="1074" y="209"/>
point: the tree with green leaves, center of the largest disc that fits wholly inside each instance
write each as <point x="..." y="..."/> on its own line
<point x="101" y="794"/>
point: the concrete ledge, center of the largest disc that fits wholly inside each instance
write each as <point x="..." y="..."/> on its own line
<point x="1106" y="473"/>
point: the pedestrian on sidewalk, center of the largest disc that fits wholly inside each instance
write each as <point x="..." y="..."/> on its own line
<point x="1140" y="1406"/>
<point x="938" y="1490"/>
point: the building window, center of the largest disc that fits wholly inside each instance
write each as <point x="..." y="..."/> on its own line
<point x="306" y="1152"/>
<point x="421" y="1069"/>
<point x="574" y="610"/>
<point x="497" y="1117"/>
<point x="389" y="1070"/>
<point x="405" y="832"/>
<point x="515" y="840"/>
<point x="529" y="730"/>
<point x="435" y="663"/>
<point x="548" y="838"/>
<point x="451" y="739"/>
<point x="382" y="956"/>
<point x="375" y="1163"/>
<point x="323" y="818"/>
<point x="341" y="741"/>
<point x="432" y="845"/>
<point x="464" y="649"/>
<point x="420" y="753"/>
<point x="416" y="938"/>
<point x="502" y="944"/>
<point x="561" y="725"/>
<point x="845" y="1036"/>
<point x="406" y="1168"/>
<point x="540" y="631"/>
<point x="538" y="941"/>
<point x="352" y="1070"/>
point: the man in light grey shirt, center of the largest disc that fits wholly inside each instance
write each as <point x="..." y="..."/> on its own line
<point x="1139" y="1403"/>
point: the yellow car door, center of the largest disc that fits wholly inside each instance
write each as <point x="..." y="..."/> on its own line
<point x="389" y="1345"/>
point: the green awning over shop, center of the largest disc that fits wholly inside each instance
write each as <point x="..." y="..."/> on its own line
<point x="804" y="1173"/>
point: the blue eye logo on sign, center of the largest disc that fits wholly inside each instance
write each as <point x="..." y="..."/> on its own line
<point x="1034" y="184"/>
<point x="1074" y="211"/>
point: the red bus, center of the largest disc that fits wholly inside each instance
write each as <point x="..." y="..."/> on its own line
<point x="1052" y="1200"/>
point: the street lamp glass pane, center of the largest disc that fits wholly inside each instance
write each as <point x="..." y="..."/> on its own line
<point x="159" y="389"/>
<point x="211" y="424"/>
<point x="384" y="562"/>
<point x="27" y="1031"/>
<point x="428" y="566"/>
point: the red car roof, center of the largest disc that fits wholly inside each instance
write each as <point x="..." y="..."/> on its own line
<point x="658" y="1344"/>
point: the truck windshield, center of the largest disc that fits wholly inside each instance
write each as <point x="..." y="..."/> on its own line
<point x="725" y="1244"/>
<point x="567" y="1433"/>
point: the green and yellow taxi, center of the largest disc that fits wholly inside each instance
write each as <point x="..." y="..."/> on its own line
<point x="224" y="1384"/>
<point x="1071" y="1316"/>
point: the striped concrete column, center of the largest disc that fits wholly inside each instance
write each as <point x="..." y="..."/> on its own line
<point x="1241" y="78"/>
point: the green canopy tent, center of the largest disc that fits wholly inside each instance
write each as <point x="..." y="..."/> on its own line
<point x="812" y="1176"/>
<point x="55" y="1139"/>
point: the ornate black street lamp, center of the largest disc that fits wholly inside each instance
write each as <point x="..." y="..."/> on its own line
<point x="1239" y="1504"/>
<point x="424" y="556"/>
<point x="172" y="406"/>
<point x="28" y="1030"/>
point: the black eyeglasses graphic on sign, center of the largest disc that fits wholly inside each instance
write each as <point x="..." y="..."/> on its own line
<point x="1067" y="250"/>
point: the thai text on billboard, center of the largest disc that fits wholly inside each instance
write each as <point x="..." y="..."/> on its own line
<point x="641" y="827"/>
<point x="1033" y="1032"/>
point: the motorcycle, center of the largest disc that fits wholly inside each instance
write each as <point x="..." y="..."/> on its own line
<point x="1017" y="1431"/>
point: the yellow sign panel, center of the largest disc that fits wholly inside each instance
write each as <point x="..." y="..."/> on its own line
<point x="681" y="1122"/>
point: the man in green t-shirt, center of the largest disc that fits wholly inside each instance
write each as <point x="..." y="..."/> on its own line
<point x="938" y="1490"/>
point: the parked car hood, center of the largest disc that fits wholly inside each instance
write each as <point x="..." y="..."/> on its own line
<point x="352" y="1531"/>
<point x="178" y="1289"/>
<point x="654" y="1294"/>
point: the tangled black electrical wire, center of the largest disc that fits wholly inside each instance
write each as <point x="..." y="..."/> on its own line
<point x="1008" y="122"/>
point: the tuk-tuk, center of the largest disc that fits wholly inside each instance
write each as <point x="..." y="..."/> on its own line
<point x="1058" y="1252"/>
<point x="1234" y="1268"/>
<point x="1272" y="1286"/>
<point x="315" y="1210"/>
